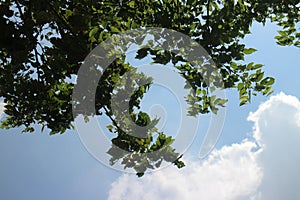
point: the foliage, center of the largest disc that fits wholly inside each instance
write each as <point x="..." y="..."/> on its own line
<point x="43" y="43"/>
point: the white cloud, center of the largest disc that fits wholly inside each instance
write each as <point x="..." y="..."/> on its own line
<point x="266" y="168"/>
<point x="229" y="172"/>
<point x="277" y="130"/>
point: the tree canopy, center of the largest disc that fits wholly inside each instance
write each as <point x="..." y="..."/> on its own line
<point x="44" y="43"/>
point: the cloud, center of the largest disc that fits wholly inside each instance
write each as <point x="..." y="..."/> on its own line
<point x="277" y="131"/>
<point x="265" y="167"/>
<point x="229" y="172"/>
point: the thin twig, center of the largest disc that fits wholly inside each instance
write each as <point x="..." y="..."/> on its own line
<point x="20" y="9"/>
<point x="207" y="14"/>
<point x="61" y="18"/>
<point x="37" y="61"/>
<point x="112" y="119"/>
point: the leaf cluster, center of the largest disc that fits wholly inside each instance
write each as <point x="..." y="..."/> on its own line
<point x="44" y="43"/>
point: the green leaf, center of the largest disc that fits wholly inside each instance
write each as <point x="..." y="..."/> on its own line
<point x="68" y="13"/>
<point x="219" y="101"/>
<point x="114" y="29"/>
<point x="283" y="33"/>
<point x="93" y="32"/>
<point x="233" y="65"/>
<point x="251" y="66"/>
<point x="256" y="66"/>
<point x="110" y="128"/>
<point x="240" y="86"/>
<point x="267" y="81"/>
<point x="249" y="51"/>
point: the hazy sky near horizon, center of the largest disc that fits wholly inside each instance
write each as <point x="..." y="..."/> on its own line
<point x="256" y="157"/>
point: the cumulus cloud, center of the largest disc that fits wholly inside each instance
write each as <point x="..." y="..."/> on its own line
<point x="277" y="131"/>
<point x="228" y="173"/>
<point x="266" y="167"/>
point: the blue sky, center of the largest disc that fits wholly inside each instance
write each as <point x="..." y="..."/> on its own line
<point x="39" y="166"/>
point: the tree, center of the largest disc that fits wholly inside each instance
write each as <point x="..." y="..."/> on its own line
<point x="45" y="42"/>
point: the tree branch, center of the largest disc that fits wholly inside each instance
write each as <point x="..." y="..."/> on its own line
<point x="20" y="9"/>
<point x="207" y="15"/>
<point x="61" y="18"/>
<point x="111" y="118"/>
<point x="38" y="64"/>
